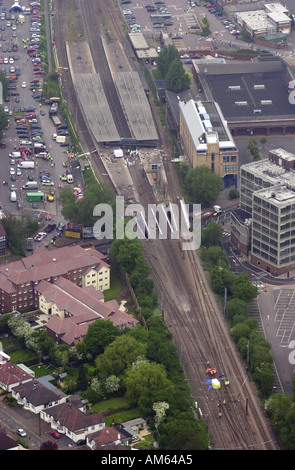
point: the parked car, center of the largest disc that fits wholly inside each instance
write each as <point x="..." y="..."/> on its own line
<point x="55" y="434"/>
<point x="21" y="432"/>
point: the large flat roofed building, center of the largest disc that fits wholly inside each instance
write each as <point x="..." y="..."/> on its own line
<point x="273" y="18"/>
<point x="207" y="140"/>
<point x="253" y="95"/>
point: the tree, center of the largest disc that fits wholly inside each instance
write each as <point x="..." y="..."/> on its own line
<point x="118" y="355"/>
<point x="176" y="79"/>
<point x="48" y="445"/>
<point x="81" y="211"/>
<point x="172" y="71"/>
<point x="165" y="59"/>
<point x="243" y="289"/>
<point x="202" y="185"/>
<point x="3" y="122"/>
<point x="112" y="384"/>
<point x="236" y="307"/>
<point x="212" y="235"/>
<point x="99" y="335"/>
<point x="126" y="252"/>
<point x="82" y="381"/>
<point x="17" y="231"/>
<point x="143" y="380"/>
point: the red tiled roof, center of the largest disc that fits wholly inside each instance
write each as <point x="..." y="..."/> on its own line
<point x="12" y="374"/>
<point x="44" y="264"/>
<point x="70" y="417"/>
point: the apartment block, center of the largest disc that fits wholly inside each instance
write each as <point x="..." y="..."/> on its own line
<point x="18" y="280"/>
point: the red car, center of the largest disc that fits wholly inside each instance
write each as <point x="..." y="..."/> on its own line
<point x="38" y="72"/>
<point x="55" y="434"/>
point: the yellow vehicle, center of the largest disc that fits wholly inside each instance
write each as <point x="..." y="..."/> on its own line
<point x="50" y="195"/>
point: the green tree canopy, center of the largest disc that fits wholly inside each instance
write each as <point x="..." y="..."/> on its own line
<point x="81" y="211"/>
<point x="99" y="335"/>
<point x="202" y="185"/>
<point x="118" y="355"/>
<point x="165" y="59"/>
<point x="211" y="235"/>
<point x="172" y="71"/>
<point x="177" y="80"/>
<point x="144" y="380"/>
<point x="243" y="289"/>
<point x="126" y="252"/>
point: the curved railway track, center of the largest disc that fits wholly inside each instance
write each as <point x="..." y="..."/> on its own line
<point x="191" y="313"/>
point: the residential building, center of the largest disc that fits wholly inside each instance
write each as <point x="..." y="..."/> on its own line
<point x="34" y="396"/>
<point x="7" y="443"/>
<point x="72" y="309"/>
<point x="68" y="419"/>
<point x="12" y="375"/>
<point x="109" y="436"/>
<point x="18" y="279"/>
<point x="207" y="140"/>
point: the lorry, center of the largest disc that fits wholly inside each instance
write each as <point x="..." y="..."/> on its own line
<point x="26" y="164"/>
<point x="31" y="185"/>
<point x="13" y="196"/>
<point x="56" y="120"/>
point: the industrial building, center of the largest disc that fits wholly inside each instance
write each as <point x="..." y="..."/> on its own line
<point x="253" y="95"/>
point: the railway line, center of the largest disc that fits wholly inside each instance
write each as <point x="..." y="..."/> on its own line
<point x="93" y="14"/>
<point x="190" y="310"/>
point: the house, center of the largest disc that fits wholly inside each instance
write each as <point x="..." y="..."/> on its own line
<point x="110" y="436"/>
<point x="35" y="397"/>
<point x="73" y="309"/>
<point x="11" y="375"/>
<point x="7" y="443"/>
<point x="68" y="419"/>
<point x="82" y="266"/>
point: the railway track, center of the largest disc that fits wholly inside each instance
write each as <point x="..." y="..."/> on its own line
<point x="93" y="14"/>
<point x="198" y="328"/>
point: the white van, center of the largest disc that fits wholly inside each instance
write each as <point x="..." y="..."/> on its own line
<point x="13" y="196"/>
<point x="15" y="155"/>
<point x="30" y="185"/>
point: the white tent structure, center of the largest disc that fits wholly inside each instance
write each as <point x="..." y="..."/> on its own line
<point x="118" y="153"/>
